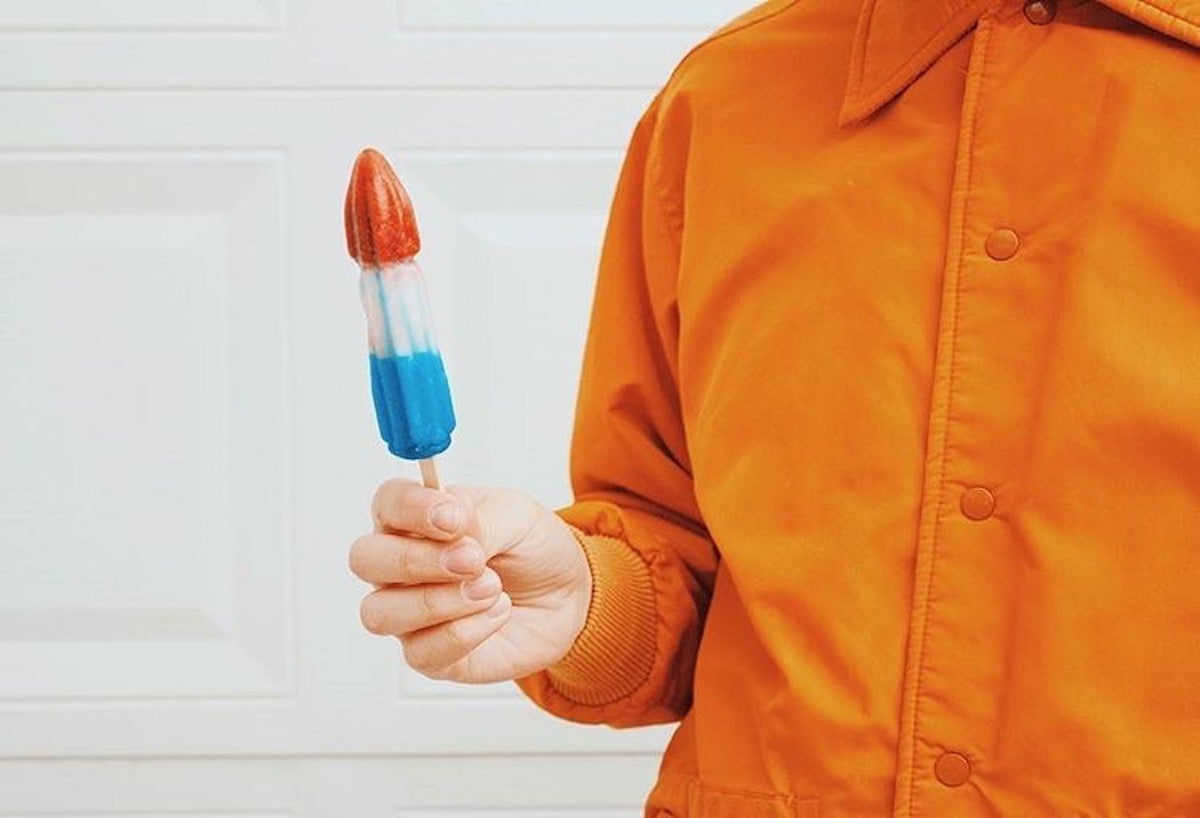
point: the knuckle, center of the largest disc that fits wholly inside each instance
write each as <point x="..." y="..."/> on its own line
<point x="378" y="499"/>
<point x="516" y="508"/>
<point x="418" y="658"/>
<point x="373" y="618"/>
<point x="457" y="640"/>
<point x="390" y="495"/>
<point x="402" y="564"/>
<point x="441" y="674"/>
<point x="430" y="607"/>
<point x="514" y="499"/>
<point x="357" y="558"/>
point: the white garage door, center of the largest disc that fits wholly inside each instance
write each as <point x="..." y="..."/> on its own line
<point x="188" y="444"/>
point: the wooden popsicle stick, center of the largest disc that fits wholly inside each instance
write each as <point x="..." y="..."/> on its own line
<point x="429" y="475"/>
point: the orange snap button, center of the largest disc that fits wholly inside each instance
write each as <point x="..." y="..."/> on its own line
<point x="1040" y="12"/>
<point x="1002" y="244"/>
<point x="977" y="503"/>
<point x="952" y="769"/>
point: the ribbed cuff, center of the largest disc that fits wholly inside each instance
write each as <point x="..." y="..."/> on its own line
<point x="614" y="652"/>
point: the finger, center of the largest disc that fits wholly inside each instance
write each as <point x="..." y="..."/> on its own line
<point x="410" y="508"/>
<point x="432" y="650"/>
<point x="388" y="559"/>
<point x="400" y="611"/>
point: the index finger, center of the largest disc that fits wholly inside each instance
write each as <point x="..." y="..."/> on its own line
<point x="409" y="508"/>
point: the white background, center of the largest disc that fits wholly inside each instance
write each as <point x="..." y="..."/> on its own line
<point x="188" y="444"/>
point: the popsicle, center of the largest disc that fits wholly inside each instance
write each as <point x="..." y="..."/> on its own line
<point x="408" y="377"/>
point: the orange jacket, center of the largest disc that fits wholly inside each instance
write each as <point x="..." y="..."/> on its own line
<point x="888" y="444"/>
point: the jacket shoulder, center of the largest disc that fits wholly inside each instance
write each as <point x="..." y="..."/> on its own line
<point x="729" y="41"/>
<point x="749" y="18"/>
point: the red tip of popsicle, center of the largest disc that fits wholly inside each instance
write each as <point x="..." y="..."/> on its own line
<point x="380" y="225"/>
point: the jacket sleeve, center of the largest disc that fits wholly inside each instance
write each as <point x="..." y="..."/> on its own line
<point x="635" y="511"/>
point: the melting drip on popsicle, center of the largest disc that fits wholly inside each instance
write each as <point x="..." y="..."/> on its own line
<point x="408" y="378"/>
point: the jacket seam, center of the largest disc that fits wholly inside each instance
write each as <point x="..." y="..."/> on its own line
<point x="970" y="125"/>
<point x="672" y="211"/>
<point x="1170" y="15"/>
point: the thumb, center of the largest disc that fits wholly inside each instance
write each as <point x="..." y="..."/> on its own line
<point x="498" y="519"/>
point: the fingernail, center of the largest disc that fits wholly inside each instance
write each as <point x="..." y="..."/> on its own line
<point x="463" y="559"/>
<point x="484" y="587"/>
<point x="502" y="606"/>
<point x="447" y="517"/>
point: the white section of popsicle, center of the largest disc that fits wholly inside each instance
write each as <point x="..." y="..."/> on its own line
<point x="399" y="316"/>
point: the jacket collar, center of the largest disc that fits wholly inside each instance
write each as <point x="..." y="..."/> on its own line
<point x="897" y="40"/>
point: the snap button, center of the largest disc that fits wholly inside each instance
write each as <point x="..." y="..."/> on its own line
<point x="1002" y="244"/>
<point x="977" y="503"/>
<point x="1040" y="12"/>
<point x="952" y="769"/>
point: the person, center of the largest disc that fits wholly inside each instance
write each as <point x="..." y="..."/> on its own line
<point x="887" y="448"/>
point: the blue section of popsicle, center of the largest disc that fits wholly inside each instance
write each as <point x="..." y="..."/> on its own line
<point x="412" y="404"/>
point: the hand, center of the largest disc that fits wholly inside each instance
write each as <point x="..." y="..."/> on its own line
<point x="480" y="585"/>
